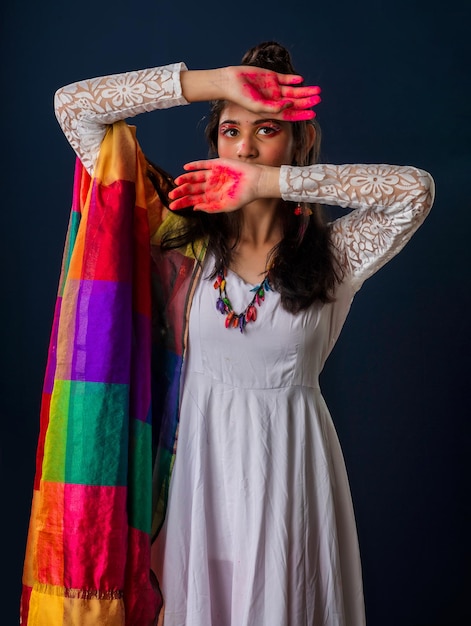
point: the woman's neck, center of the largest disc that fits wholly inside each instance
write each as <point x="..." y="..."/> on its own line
<point x="260" y="232"/>
<point x="260" y="224"/>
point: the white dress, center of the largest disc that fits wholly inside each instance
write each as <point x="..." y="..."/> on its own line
<point x="260" y="529"/>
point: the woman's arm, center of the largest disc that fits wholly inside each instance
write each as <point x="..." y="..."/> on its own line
<point x="85" y="108"/>
<point x="390" y="202"/>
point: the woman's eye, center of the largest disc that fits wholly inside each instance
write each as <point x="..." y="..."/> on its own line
<point x="228" y="131"/>
<point x="268" y="130"/>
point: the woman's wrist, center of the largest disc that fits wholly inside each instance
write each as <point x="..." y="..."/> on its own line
<point x="269" y="182"/>
<point x="204" y="85"/>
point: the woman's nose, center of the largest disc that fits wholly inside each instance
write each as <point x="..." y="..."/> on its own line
<point x="246" y="148"/>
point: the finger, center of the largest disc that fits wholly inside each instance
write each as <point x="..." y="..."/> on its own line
<point x="176" y="193"/>
<point x="198" y="165"/>
<point x="197" y="176"/>
<point x="188" y="189"/>
<point x="185" y="202"/>
<point x="306" y="103"/>
<point x="289" y="79"/>
<point x="284" y="104"/>
<point x="276" y="106"/>
<point x="300" y="92"/>
<point x="181" y="203"/>
<point x="294" y="115"/>
<point x="292" y="112"/>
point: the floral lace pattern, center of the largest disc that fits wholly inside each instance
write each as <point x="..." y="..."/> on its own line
<point x="84" y="109"/>
<point x="391" y="202"/>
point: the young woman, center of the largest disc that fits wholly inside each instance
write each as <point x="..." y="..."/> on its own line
<point x="251" y="290"/>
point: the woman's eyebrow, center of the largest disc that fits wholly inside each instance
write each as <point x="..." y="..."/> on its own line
<point x="254" y="123"/>
<point x="229" y="122"/>
<point x="266" y="119"/>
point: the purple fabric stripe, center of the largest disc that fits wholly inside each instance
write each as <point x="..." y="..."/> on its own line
<point x="140" y="399"/>
<point x="103" y="320"/>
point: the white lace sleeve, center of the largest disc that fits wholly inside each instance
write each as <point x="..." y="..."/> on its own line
<point x="85" y="108"/>
<point x="390" y="203"/>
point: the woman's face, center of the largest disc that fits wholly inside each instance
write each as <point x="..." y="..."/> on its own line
<point x="254" y="137"/>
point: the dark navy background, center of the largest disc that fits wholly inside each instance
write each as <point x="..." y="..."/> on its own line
<point x="396" y="87"/>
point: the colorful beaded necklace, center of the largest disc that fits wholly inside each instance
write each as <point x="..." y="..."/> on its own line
<point x="224" y="306"/>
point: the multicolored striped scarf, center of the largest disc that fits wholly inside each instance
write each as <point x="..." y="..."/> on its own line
<point x="88" y="552"/>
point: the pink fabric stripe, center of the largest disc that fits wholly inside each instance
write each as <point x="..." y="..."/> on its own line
<point x="94" y="534"/>
<point x="141" y="598"/>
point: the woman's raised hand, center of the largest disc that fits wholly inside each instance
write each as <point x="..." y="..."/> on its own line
<point x="255" y="89"/>
<point x="259" y="89"/>
<point x="217" y="185"/>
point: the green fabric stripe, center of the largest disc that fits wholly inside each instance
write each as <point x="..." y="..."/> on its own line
<point x="55" y="443"/>
<point x="74" y="223"/>
<point x="89" y="421"/>
<point x="140" y="476"/>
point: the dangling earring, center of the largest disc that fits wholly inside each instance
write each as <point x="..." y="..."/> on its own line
<point x="303" y="209"/>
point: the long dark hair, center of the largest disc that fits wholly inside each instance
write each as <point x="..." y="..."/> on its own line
<point x="303" y="266"/>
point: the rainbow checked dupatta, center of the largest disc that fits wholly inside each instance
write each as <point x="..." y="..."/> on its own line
<point x="88" y="551"/>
